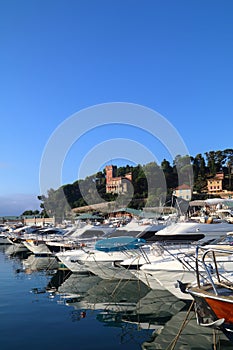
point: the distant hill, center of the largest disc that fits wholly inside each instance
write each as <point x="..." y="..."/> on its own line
<point x="153" y="184"/>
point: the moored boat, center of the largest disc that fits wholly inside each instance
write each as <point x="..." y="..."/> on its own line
<point x="4" y="239"/>
<point x="214" y="297"/>
<point x="104" y="258"/>
<point x="193" y="231"/>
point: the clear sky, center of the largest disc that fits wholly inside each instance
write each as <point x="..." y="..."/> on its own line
<point x="59" y="57"/>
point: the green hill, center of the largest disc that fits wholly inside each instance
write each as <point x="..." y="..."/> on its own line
<point x="152" y="183"/>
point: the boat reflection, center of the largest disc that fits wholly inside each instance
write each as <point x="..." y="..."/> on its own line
<point x="106" y="294"/>
<point x="31" y="263"/>
<point x="153" y="317"/>
<point x="36" y="263"/>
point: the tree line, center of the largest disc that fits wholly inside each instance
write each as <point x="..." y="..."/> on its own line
<point x="153" y="184"/>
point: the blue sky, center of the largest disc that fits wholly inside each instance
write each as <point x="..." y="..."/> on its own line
<point x="59" y="57"/>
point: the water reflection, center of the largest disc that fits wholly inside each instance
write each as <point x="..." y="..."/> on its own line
<point x="154" y="319"/>
<point x="155" y="315"/>
<point x="36" y="263"/>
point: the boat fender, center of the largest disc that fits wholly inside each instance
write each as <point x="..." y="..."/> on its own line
<point x="209" y="220"/>
<point x="216" y="324"/>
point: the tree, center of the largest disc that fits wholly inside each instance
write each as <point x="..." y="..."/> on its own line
<point x="166" y="167"/>
<point x="30" y="213"/>
<point x="149" y="180"/>
<point x="211" y="162"/>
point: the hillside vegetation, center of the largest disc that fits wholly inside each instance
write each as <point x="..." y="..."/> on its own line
<point x="159" y="179"/>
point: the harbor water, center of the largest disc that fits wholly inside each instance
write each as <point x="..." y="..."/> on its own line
<point x="45" y="307"/>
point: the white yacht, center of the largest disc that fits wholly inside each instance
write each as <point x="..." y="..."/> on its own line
<point x="17" y="237"/>
<point x="144" y="228"/>
<point x="36" y="242"/>
<point x="81" y="235"/>
<point x="225" y="214"/>
<point x="3" y="238"/>
<point x="160" y="266"/>
<point x="164" y="265"/>
<point x="4" y="232"/>
<point x="106" y="265"/>
<point x="193" y="231"/>
<point x="70" y="259"/>
<point x="103" y="259"/>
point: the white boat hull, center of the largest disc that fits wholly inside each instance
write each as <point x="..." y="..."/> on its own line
<point x="109" y="270"/>
<point x="37" y="248"/>
<point x="4" y="239"/>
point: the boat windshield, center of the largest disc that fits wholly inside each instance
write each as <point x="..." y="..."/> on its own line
<point x="226" y="240"/>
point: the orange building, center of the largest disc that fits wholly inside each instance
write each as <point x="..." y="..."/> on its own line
<point x="116" y="184"/>
<point x="214" y="184"/>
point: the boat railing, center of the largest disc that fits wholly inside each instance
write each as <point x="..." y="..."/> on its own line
<point x="185" y="254"/>
<point x="211" y="266"/>
<point x="144" y="255"/>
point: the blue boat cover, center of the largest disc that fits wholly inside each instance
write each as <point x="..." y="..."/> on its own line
<point x="119" y="243"/>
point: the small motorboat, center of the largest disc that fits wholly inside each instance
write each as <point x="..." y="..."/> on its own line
<point x="213" y="296"/>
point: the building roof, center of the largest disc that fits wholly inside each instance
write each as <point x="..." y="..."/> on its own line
<point x="197" y="203"/>
<point x="183" y="187"/>
<point x="131" y="211"/>
<point x="88" y="216"/>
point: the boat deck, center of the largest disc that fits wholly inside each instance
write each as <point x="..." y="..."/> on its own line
<point x="222" y="289"/>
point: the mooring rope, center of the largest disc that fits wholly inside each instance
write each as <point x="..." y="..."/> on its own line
<point x="173" y="343"/>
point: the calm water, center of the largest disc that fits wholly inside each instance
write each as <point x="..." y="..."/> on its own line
<point x="86" y="312"/>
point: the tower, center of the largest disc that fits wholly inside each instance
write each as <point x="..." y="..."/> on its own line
<point x="110" y="172"/>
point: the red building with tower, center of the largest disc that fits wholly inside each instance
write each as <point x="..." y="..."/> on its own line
<point x="116" y="184"/>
